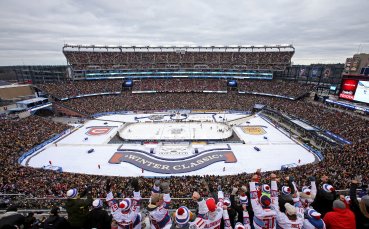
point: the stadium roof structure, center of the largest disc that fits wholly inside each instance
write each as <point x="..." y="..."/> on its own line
<point x="230" y="48"/>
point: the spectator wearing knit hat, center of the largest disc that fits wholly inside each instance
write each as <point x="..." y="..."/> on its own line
<point x="264" y="216"/>
<point x="76" y="207"/>
<point x="340" y="218"/>
<point x="290" y="216"/>
<point x="313" y="220"/>
<point x="183" y="218"/>
<point x="159" y="205"/>
<point x="325" y="196"/>
<point x="98" y="218"/>
<point x="126" y="212"/>
<point x="210" y="211"/>
<point x="360" y="209"/>
<point x="243" y="208"/>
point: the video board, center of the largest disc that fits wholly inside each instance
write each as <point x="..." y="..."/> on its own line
<point x="355" y="90"/>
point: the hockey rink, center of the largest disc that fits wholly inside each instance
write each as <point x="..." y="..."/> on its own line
<point x="216" y="156"/>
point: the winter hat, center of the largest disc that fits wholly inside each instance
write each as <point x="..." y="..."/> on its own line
<point x="227" y="202"/>
<point x="347" y="199"/>
<point x="328" y="188"/>
<point x="265" y="188"/>
<point x="210" y="203"/>
<point x="72" y="193"/>
<point x="290" y="210"/>
<point x="97" y="203"/>
<point x="265" y="201"/>
<point x="313" y="214"/>
<point x="182" y="215"/>
<point x="125" y="204"/>
<point x="244" y="188"/>
<point x="239" y="226"/>
<point x="339" y="204"/>
<point x="306" y="190"/>
<point x="286" y="190"/>
<point x="244" y="200"/>
<point x="314" y="218"/>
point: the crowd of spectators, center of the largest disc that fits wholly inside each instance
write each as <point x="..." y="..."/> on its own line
<point x="180" y="85"/>
<point x="75" y="88"/>
<point x="271" y="60"/>
<point x="275" y="87"/>
<point x="65" y="89"/>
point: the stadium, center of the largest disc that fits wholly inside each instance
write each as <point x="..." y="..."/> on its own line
<point x="200" y="136"/>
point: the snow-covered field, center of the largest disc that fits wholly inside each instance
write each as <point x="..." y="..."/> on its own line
<point x="71" y="152"/>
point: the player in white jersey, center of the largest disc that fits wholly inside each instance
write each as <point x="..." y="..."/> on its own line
<point x="293" y="217"/>
<point x="264" y="216"/>
<point x="159" y="205"/>
<point x="127" y="212"/>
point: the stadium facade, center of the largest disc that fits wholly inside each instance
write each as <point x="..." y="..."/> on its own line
<point x="259" y="62"/>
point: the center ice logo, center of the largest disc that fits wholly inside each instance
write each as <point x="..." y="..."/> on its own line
<point x="96" y="130"/>
<point x="253" y="130"/>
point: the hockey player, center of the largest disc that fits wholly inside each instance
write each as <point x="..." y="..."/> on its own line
<point x="292" y="217"/>
<point x="264" y="216"/>
<point x="127" y="212"/>
<point x="159" y="205"/>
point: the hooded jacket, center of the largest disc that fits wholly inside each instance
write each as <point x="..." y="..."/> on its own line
<point x="340" y="219"/>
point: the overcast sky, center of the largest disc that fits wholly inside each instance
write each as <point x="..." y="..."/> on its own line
<point x="322" y="31"/>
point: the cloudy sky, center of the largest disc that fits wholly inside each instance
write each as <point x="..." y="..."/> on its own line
<point x="322" y="31"/>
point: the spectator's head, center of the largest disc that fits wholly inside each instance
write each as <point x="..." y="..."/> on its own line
<point x="364" y="205"/>
<point x="55" y="211"/>
<point x="314" y="218"/>
<point x="156" y="200"/>
<point x="125" y="204"/>
<point x="291" y="211"/>
<point x="239" y="226"/>
<point x="328" y="191"/>
<point x="182" y="215"/>
<point x="97" y="203"/>
<point x="227" y="202"/>
<point x="72" y="193"/>
<point x="244" y="200"/>
<point x="338" y="204"/>
<point x="210" y="203"/>
<point x="265" y="201"/>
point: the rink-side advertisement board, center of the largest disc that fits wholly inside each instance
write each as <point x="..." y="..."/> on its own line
<point x="152" y="164"/>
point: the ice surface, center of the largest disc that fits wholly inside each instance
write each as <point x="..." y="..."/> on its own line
<point x="70" y="153"/>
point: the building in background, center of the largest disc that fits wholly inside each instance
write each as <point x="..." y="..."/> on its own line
<point x="358" y="64"/>
<point x="39" y="74"/>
